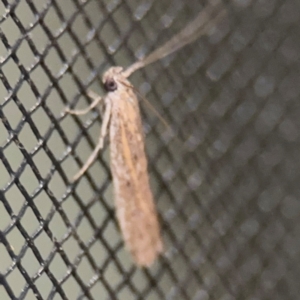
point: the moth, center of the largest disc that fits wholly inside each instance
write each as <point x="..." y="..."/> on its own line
<point x="135" y="209"/>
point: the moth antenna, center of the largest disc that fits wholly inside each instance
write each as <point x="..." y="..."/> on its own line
<point x="201" y="25"/>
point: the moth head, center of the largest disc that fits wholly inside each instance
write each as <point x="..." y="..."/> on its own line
<point x="110" y="78"/>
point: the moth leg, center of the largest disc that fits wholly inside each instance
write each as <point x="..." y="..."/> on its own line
<point x="100" y="143"/>
<point x="84" y="111"/>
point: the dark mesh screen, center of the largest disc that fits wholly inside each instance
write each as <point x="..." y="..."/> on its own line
<point x="225" y="178"/>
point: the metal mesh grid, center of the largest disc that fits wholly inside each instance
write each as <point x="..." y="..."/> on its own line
<point x="225" y="184"/>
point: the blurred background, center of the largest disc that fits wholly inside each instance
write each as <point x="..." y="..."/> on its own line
<point x="225" y="175"/>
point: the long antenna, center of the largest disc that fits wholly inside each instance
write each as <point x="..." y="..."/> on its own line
<point x="199" y="26"/>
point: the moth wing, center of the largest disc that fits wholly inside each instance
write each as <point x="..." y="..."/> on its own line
<point x="135" y="207"/>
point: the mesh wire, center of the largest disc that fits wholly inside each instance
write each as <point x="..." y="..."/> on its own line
<point x="225" y="184"/>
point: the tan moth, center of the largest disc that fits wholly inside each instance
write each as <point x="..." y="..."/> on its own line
<point x="134" y="203"/>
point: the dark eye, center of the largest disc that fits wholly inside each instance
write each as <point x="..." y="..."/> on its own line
<point x="110" y="85"/>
